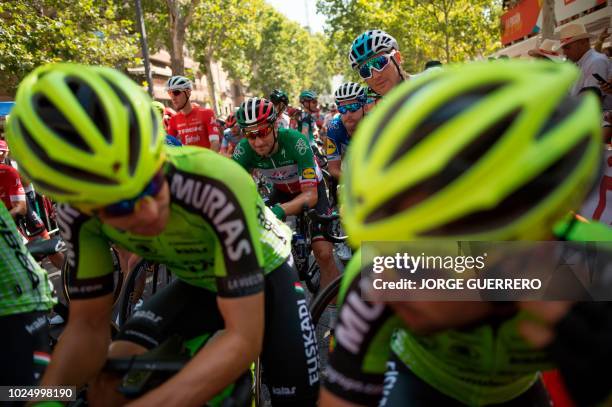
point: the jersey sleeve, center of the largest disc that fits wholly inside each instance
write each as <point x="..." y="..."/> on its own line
<point x="212" y="128"/>
<point x="305" y="160"/>
<point x="172" y="129"/>
<point x="362" y="343"/>
<point x="15" y="189"/>
<point x="90" y="264"/>
<point x="241" y="155"/>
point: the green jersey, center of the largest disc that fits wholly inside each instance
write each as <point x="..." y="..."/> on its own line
<point x="219" y="236"/>
<point x="24" y="285"/>
<point x="290" y="167"/>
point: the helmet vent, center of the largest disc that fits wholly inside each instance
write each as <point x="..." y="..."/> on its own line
<point x="91" y="104"/>
<point x="155" y="121"/>
<point x="133" y="128"/>
<point x="67" y="170"/>
<point x="57" y="122"/>
<point x="44" y="185"/>
<point x="456" y="166"/>
<point x="562" y="112"/>
<point x="521" y="201"/>
<point x="439" y="117"/>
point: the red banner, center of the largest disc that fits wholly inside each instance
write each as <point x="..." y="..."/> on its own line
<point x="520" y="21"/>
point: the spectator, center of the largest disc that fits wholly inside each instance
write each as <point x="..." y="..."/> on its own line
<point x="545" y="51"/>
<point x="576" y="46"/>
<point x="11" y="189"/>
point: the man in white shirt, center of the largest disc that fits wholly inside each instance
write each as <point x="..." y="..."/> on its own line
<point x="576" y="46"/>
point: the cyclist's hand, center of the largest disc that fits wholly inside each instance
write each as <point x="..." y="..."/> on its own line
<point x="540" y="330"/>
<point x="606" y="87"/>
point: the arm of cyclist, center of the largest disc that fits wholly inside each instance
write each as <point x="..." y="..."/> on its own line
<point x="334" y="168"/>
<point x="18" y="208"/>
<point x="214" y="145"/>
<point x="221" y="361"/>
<point x="308" y="196"/>
<point x="83" y="346"/>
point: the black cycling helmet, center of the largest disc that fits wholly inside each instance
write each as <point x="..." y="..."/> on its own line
<point x="278" y="96"/>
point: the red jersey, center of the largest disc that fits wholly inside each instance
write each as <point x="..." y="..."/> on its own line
<point x="11" y="189"/>
<point x="198" y="128"/>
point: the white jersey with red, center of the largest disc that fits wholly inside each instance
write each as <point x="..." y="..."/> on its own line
<point x="598" y="205"/>
<point x="198" y="128"/>
<point x="11" y="189"/>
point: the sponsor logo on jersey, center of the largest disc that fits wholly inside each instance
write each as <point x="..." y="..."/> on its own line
<point x="283" y="391"/>
<point x="239" y="151"/>
<point x="355" y="318"/>
<point x="330" y="147"/>
<point x="310" y="342"/>
<point x="301" y="146"/>
<point x="216" y="202"/>
<point x="308" y="173"/>
<point x="66" y="216"/>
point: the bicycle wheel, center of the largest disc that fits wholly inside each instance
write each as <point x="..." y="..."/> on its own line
<point x="141" y="283"/>
<point x="324" y="318"/>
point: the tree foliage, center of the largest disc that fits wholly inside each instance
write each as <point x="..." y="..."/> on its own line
<point x="33" y="33"/>
<point x="446" y="30"/>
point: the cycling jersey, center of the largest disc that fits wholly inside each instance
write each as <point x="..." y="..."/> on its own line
<point x="337" y="140"/>
<point x="290" y="167"/>
<point x="24" y="285"/>
<point x="283" y="121"/>
<point x="483" y="365"/>
<point x="11" y="189"/>
<point x="220" y="236"/>
<point x="306" y="122"/>
<point x="198" y="128"/>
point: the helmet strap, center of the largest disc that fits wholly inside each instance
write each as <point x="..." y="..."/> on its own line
<point x="399" y="71"/>
<point x="275" y="141"/>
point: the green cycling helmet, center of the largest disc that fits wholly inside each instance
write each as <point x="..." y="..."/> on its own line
<point x="308" y="94"/>
<point x="484" y="151"/>
<point x="85" y="135"/>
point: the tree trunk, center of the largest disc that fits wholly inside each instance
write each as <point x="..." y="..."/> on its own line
<point x="548" y="19"/>
<point x="211" y="84"/>
<point x="178" y="27"/>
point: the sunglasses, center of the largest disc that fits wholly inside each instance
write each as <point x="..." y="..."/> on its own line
<point x="254" y="134"/>
<point x="378" y="63"/>
<point x="353" y="107"/>
<point x="128" y="206"/>
<point x="307" y="100"/>
<point x="175" y="92"/>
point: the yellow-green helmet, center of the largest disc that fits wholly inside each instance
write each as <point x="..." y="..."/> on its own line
<point x="483" y="151"/>
<point x="84" y="134"/>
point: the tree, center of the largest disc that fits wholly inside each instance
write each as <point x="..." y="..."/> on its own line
<point x="34" y="33"/>
<point x="449" y="30"/>
<point x="222" y="31"/>
<point x="180" y="15"/>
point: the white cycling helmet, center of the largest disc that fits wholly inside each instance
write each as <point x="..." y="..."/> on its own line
<point x="349" y="91"/>
<point x="369" y="44"/>
<point x="178" y="83"/>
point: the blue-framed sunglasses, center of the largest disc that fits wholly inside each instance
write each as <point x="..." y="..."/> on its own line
<point x="378" y="63"/>
<point x="353" y="107"/>
<point x="127" y="206"/>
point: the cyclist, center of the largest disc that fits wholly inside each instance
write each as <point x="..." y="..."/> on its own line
<point x="350" y="98"/>
<point x="189" y="208"/>
<point x="192" y="124"/>
<point x="372" y="99"/>
<point x="11" y="189"/>
<point x="469" y="166"/>
<point x="25" y="299"/>
<point x="281" y="103"/>
<point x="231" y="136"/>
<point x="370" y="54"/>
<point x="306" y="121"/>
<point x="284" y="158"/>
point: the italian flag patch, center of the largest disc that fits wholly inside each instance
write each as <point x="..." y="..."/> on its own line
<point x="297" y="286"/>
<point x="42" y="358"/>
